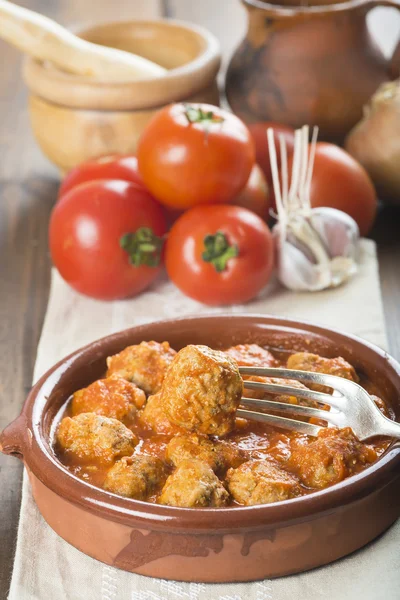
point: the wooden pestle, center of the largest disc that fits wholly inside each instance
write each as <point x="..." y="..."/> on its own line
<point x="46" y="40"/>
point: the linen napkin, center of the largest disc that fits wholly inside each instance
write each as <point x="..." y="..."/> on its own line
<point x="46" y="567"/>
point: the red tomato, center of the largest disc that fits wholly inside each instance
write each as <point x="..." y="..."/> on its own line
<point x="339" y="181"/>
<point x="255" y="195"/>
<point x="259" y="134"/>
<point x="195" y="154"/>
<point x="219" y="254"/>
<point x="104" y="167"/>
<point x="105" y="238"/>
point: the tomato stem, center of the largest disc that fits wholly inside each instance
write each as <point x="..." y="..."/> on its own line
<point x="143" y="247"/>
<point x="218" y="250"/>
<point x="198" y="115"/>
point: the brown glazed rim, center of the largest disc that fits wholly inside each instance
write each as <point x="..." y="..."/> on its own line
<point x="29" y="441"/>
<point x="282" y="11"/>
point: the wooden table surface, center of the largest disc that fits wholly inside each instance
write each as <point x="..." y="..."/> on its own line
<point x="28" y="187"/>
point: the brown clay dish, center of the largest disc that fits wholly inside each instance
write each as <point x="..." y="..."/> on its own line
<point x="213" y="545"/>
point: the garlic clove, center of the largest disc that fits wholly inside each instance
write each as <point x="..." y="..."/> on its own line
<point x="338" y="231"/>
<point x="342" y="269"/>
<point x="295" y="271"/>
<point x="307" y="262"/>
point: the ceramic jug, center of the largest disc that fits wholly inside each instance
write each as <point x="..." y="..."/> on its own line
<point x="314" y="64"/>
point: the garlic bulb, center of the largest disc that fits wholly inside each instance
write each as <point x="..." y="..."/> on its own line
<point x="316" y="247"/>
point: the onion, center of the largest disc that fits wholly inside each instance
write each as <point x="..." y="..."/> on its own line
<point x="375" y="141"/>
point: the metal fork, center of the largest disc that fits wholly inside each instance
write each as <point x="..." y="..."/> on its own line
<point x="351" y="406"/>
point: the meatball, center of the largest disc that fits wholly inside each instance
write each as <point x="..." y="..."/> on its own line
<point x="193" y="484"/>
<point x="375" y="391"/>
<point x="379" y="403"/>
<point x="136" y="476"/>
<point x="202" y="390"/>
<point x="112" y="397"/>
<point x="332" y="457"/>
<point x="218" y="455"/>
<point x="154" y="417"/>
<point x="251" y="355"/>
<point x="91" y="437"/>
<point x="144" y="364"/>
<point x="261" y="482"/>
<point x="304" y="361"/>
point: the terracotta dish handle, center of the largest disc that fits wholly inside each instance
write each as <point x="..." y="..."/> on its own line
<point x="46" y="40"/>
<point x="11" y="438"/>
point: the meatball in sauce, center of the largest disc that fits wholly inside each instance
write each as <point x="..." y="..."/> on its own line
<point x="194" y="485"/>
<point x="202" y="390"/>
<point x="93" y="438"/>
<point x="112" y="397"/>
<point x="144" y="364"/>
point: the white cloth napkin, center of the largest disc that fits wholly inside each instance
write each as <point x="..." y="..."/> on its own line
<point x="46" y="567"/>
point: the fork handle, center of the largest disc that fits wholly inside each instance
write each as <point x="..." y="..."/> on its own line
<point x="389" y="427"/>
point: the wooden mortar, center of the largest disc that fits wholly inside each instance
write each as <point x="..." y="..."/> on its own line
<point x="74" y="118"/>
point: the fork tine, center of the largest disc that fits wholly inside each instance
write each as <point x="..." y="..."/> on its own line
<point x="337" y="383"/>
<point x="286" y="390"/>
<point x="308" y="376"/>
<point x="356" y="407"/>
<point x="283" y="422"/>
<point x="295" y="409"/>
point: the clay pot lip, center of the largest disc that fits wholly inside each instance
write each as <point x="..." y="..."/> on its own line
<point x="282" y="10"/>
<point x="24" y="436"/>
<point x="79" y="92"/>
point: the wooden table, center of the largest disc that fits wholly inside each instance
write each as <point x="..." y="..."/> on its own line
<point x="28" y="187"/>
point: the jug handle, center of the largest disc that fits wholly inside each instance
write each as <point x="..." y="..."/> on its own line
<point x="395" y="62"/>
<point x="394" y="67"/>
